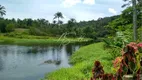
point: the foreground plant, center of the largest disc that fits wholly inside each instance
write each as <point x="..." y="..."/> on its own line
<point x="98" y="72"/>
<point x="128" y="64"/>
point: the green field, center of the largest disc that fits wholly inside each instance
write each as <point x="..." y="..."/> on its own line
<point x="22" y="37"/>
<point x="82" y="61"/>
<point x="38" y="40"/>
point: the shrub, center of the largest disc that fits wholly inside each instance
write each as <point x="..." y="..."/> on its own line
<point x="10" y="27"/>
<point x="120" y="40"/>
<point x="36" y="31"/>
<point x="128" y="63"/>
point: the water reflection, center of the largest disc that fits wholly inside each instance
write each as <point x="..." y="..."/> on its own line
<point x="28" y="62"/>
<point x="1" y="64"/>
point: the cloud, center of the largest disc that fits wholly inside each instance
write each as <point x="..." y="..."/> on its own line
<point x="113" y="11"/>
<point x="78" y="9"/>
<point x="81" y="15"/>
<point x="70" y="3"/>
<point x="89" y="2"/>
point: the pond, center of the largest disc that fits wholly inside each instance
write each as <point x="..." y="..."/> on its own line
<point x="33" y="62"/>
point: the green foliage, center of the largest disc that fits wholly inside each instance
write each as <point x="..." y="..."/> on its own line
<point x="114" y="44"/>
<point x="10" y="27"/>
<point x="114" y="52"/>
<point x="125" y="22"/>
<point x="2" y="26"/>
<point x="140" y="33"/>
<point x="40" y="27"/>
<point x="120" y="40"/>
<point x="2" y="11"/>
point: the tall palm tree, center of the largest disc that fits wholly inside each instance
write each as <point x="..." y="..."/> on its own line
<point x="134" y="3"/>
<point x="134" y="19"/>
<point x="58" y="15"/>
<point x="60" y="22"/>
<point x="2" y="11"/>
<point x="73" y="20"/>
<point x="54" y="22"/>
<point x="71" y="24"/>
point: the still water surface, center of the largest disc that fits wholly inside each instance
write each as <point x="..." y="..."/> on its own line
<point x="27" y="62"/>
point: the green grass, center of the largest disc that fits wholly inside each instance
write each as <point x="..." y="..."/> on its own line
<point x="83" y="61"/>
<point x="21" y="36"/>
<point x="39" y="40"/>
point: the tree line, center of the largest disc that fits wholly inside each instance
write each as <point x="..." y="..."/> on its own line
<point x="41" y="27"/>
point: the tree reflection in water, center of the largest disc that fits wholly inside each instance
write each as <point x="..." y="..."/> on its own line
<point x="1" y="64"/>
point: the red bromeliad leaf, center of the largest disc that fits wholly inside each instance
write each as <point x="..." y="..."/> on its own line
<point x="139" y="45"/>
<point x="97" y="70"/>
<point x="133" y="46"/>
<point x="129" y="63"/>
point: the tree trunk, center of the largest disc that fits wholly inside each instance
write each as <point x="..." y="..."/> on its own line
<point x="134" y="20"/>
<point x="58" y="21"/>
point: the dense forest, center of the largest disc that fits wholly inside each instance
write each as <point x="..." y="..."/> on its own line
<point x="41" y="27"/>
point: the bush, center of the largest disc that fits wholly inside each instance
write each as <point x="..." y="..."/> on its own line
<point x="2" y="27"/>
<point x="36" y="31"/>
<point x="10" y="27"/>
<point x="120" y="40"/>
<point x="128" y="64"/>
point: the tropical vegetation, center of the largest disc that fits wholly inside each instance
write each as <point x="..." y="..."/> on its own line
<point x="114" y="36"/>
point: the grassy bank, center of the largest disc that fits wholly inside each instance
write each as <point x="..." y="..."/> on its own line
<point x="39" y="40"/>
<point x="82" y="61"/>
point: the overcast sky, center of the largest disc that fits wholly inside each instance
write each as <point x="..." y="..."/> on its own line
<point x="78" y="9"/>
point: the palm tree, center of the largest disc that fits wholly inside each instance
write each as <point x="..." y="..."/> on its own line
<point x="58" y="15"/>
<point x="60" y="22"/>
<point x="71" y="24"/>
<point x="2" y="11"/>
<point x="134" y="19"/>
<point x="134" y="3"/>
<point x="73" y="20"/>
<point x="54" y="22"/>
